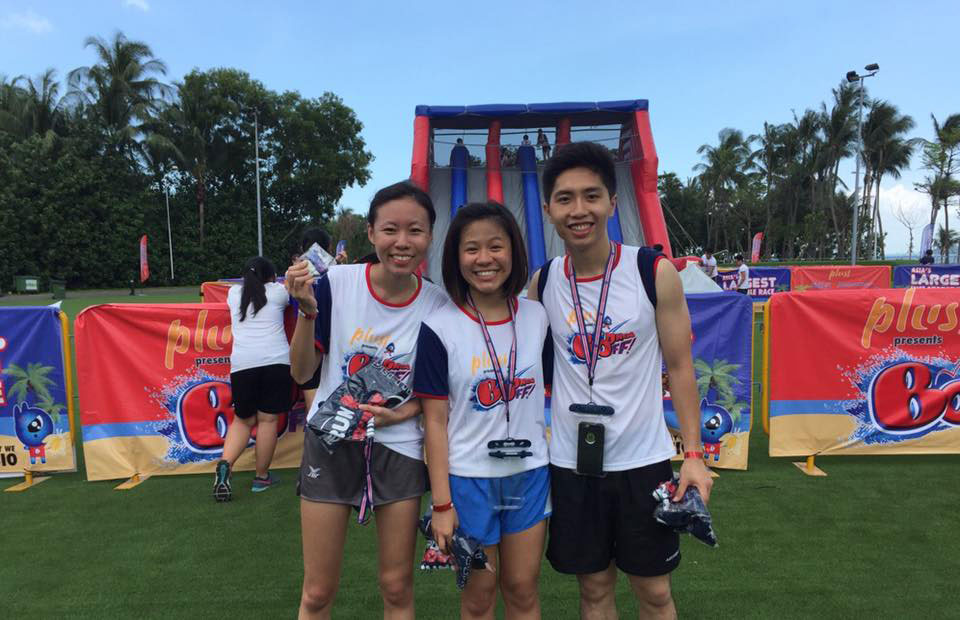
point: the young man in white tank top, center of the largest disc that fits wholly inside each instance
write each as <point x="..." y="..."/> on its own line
<point x="610" y="446"/>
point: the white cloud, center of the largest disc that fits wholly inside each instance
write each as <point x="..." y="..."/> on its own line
<point x="143" y="5"/>
<point x="27" y="21"/>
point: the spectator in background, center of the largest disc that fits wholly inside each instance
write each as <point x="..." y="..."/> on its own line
<point x="743" y="275"/>
<point x="544" y="143"/>
<point x="709" y="265"/>
<point x="526" y="140"/>
<point x="459" y="146"/>
<point x="927" y="258"/>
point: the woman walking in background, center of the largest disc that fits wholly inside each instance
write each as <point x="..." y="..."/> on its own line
<point x="259" y="373"/>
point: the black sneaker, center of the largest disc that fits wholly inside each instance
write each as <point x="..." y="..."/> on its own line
<point x="221" y="484"/>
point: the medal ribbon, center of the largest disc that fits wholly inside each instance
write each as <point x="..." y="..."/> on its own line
<point x="591" y="349"/>
<point x="504" y="383"/>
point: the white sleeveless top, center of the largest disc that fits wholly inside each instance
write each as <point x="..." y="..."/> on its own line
<point x="628" y="373"/>
<point x="354" y="326"/>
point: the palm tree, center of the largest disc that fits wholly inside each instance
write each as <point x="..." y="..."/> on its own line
<point x="33" y="379"/>
<point x="121" y="89"/>
<point x="886" y="151"/>
<point x="717" y="376"/>
<point x="43" y="102"/>
<point x="945" y="240"/>
<point x="724" y="171"/>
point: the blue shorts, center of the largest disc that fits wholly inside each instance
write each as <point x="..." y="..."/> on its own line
<point x="485" y="506"/>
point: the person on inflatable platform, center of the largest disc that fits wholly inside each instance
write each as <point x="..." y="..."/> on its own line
<point x="479" y="375"/>
<point x="616" y="313"/>
<point x="352" y="316"/>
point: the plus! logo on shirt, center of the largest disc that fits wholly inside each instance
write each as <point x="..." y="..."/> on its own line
<point x="612" y="341"/>
<point x="486" y="394"/>
<point x="360" y="358"/>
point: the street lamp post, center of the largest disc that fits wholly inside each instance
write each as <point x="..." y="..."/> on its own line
<point x="853" y="76"/>
<point x="256" y="156"/>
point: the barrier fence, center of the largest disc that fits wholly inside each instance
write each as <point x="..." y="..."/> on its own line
<point x="864" y="372"/>
<point x="926" y="276"/>
<point x="36" y="394"/>
<point x="167" y="404"/>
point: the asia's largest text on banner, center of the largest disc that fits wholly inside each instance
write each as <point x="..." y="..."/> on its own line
<point x="865" y="372"/>
<point x="154" y="383"/>
<point x="926" y="276"/>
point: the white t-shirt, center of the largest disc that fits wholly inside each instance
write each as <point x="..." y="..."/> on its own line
<point x="453" y="364"/>
<point x="354" y="327"/>
<point x="743" y="272"/>
<point x="709" y="265"/>
<point x="259" y="339"/>
<point x="628" y="374"/>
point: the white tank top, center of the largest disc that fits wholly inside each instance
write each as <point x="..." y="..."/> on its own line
<point x="259" y="339"/>
<point x="628" y="373"/>
<point x="354" y="326"/>
<point x="453" y="364"/>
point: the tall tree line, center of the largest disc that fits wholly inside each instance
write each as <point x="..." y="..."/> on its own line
<point x="785" y="182"/>
<point x="86" y="165"/>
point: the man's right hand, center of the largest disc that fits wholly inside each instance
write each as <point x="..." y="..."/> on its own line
<point x="299" y="284"/>
<point x="443" y="524"/>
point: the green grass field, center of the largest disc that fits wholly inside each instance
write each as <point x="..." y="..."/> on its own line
<point x="877" y="538"/>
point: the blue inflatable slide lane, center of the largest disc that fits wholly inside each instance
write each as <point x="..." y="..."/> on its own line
<point x="459" y="161"/>
<point x="532" y="207"/>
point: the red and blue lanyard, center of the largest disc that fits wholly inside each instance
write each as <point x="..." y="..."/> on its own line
<point x="592" y="349"/>
<point x="505" y="383"/>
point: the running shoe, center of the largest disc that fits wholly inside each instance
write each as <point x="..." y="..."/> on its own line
<point x="222" y="491"/>
<point x="262" y="484"/>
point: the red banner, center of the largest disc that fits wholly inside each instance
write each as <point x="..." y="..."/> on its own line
<point x="215" y="292"/>
<point x="836" y="277"/>
<point x="155" y="397"/>
<point x="755" y="253"/>
<point x="144" y="266"/>
<point x="865" y="372"/>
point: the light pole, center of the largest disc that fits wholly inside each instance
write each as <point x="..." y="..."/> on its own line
<point x="256" y="156"/>
<point x="853" y="76"/>
<point x="166" y="192"/>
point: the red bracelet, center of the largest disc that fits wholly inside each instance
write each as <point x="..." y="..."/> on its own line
<point x="443" y="507"/>
<point x="693" y="454"/>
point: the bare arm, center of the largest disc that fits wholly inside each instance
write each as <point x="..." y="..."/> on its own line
<point x="673" y="328"/>
<point x="435" y="414"/>
<point x="534" y="286"/>
<point x="304" y="356"/>
<point x="389" y="417"/>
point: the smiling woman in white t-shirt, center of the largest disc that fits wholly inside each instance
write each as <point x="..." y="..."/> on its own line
<point x="259" y="373"/>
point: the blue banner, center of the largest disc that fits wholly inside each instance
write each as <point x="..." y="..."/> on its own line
<point x="764" y="281"/>
<point x="926" y="276"/>
<point x="34" y="420"/>
<point x="722" y="333"/>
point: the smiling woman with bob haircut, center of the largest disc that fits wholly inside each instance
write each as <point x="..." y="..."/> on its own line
<point x="479" y="375"/>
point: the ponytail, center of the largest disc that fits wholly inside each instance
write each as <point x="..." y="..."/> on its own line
<point x="256" y="273"/>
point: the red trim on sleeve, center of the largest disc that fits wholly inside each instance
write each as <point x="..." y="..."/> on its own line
<point x="319" y="346"/>
<point x="430" y="396"/>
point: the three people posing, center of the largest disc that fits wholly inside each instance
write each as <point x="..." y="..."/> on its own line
<point x="610" y="316"/>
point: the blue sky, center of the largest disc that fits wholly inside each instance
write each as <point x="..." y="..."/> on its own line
<point x="703" y="65"/>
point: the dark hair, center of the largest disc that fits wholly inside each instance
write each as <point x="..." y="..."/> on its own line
<point x="708" y="251"/>
<point x="459" y="140"/>
<point x="403" y="189"/>
<point x="589" y="155"/>
<point x="315" y="235"/>
<point x="738" y="256"/>
<point x="371" y="258"/>
<point x="256" y="273"/>
<point x="453" y="280"/>
<point x="658" y="247"/>
<point x="929" y="252"/>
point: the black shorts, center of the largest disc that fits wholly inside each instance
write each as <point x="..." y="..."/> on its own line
<point x="314" y="381"/>
<point x="338" y="478"/>
<point x="264" y="388"/>
<point x="599" y="520"/>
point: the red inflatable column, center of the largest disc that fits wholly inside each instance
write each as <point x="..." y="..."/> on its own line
<point x="563" y="132"/>
<point x="420" y="170"/>
<point x="494" y="176"/>
<point x="643" y="171"/>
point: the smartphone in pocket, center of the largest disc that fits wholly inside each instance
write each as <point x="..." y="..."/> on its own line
<point x="590" y="438"/>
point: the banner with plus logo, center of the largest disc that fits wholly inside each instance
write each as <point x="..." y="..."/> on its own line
<point x="865" y="372"/>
